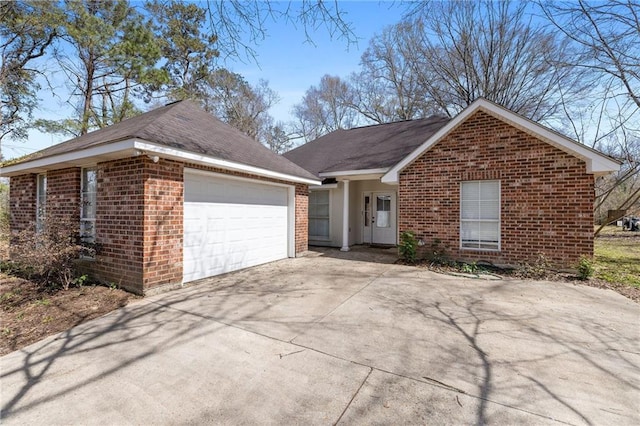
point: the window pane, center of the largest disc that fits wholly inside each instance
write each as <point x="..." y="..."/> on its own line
<point x="488" y="231"/>
<point x="480" y="215"/>
<point x="382" y="219"/>
<point x="489" y="210"/>
<point x="89" y="182"/>
<point x="321" y="196"/>
<point x="322" y="210"/>
<point x="470" y="210"/>
<point x="489" y="190"/>
<point x="383" y="203"/>
<point x="470" y="190"/>
<point x="319" y="228"/>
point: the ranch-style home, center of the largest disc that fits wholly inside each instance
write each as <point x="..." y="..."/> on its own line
<point x="170" y="196"/>
<point x="487" y="185"/>
<point x="175" y="195"/>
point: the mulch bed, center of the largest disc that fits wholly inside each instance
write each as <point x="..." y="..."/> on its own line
<point x="630" y="292"/>
<point x="29" y="312"/>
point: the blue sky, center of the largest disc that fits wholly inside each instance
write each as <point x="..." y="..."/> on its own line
<point x="284" y="58"/>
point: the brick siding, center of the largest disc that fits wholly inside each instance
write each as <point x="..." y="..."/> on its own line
<point x="22" y="202"/>
<point x="302" y="218"/>
<point x="163" y="223"/>
<point x="63" y="194"/>
<point x="139" y="217"/>
<point x="119" y="223"/>
<point x="546" y="195"/>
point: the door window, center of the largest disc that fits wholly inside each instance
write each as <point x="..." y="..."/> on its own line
<point x="383" y="211"/>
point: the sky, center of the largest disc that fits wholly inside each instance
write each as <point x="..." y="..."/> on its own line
<point x="285" y="59"/>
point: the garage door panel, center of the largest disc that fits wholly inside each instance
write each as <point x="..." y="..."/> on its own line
<point x="232" y="224"/>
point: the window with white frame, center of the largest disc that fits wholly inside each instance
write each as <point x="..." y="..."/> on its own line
<point x="41" y="201"/>
<point x="88" y="205"/>
<point x="319" y="215"/>
<point x="480" y="215"/>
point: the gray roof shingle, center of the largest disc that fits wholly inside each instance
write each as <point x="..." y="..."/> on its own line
<point x="370" y="147"/>
<point x="183" y="125"/>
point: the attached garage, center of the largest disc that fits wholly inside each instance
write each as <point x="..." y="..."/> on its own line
<point x="232" y="223"/>
<point x="177" y="195"/>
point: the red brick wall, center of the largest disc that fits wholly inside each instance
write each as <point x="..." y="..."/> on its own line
<point x="119" y="222"/>
<point x="302" y="218"/>
<point x="22" y="202"/>
<point x="546" y="195"/>
<point x="63" y="194"/>
<point x="139" y="217"/>
<point x="163" y="223"/>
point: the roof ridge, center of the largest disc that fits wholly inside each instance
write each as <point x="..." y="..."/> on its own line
<point x="398" y="122"/>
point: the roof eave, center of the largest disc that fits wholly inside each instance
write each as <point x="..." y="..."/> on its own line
<point x="361" y="174"/>
<point x="133" y="147"/>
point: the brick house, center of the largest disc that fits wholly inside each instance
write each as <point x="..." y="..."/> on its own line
<point x="170" y="196"/>
<point x="487" y="185"/>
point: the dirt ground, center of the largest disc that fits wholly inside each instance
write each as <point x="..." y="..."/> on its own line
<point x="28" y="313"/>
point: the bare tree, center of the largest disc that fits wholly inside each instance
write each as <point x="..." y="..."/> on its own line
<point x="241" y="25"/>
<point x="464" y="50"/>
<point x="233" y="100"/>
<point x="325" y="108"/>
<point x="606" y="37"/>
<point x="608" y="34"/>
<point x="387" y="88"/>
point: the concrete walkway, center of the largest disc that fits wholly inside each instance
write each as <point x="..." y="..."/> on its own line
<point x="333" y="338"/>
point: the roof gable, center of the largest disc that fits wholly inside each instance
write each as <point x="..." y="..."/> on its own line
<point x="179" y="130"/>
<point x="596" y="162"/>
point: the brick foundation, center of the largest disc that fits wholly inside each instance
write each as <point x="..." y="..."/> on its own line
<point x="546" y="195"/>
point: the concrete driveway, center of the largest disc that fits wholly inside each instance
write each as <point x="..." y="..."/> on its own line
<point x="323" y="340"/>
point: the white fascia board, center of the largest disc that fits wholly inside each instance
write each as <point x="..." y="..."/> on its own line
<point x="323" y="187"/>
<point x="205" y="160"/>
<point x="362" y="174"/>
<point x="132" y="147"/>
<point x="354" y="172"/>
<point x="597" y="164"/>
<point x="70" y="158"/>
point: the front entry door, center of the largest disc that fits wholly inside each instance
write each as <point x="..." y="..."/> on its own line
<point x="379" y="218"/>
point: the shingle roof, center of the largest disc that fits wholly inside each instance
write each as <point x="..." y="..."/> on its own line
<point x="183" y="125"/>
<point x="370" y="147"/>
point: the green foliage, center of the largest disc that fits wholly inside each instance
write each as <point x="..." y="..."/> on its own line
<point x="585" y="268"/>
<point x="50" y="255"/>
<point x="408" y="246"/>
<point x="469" y="268"/>
<point x="27" y="29"/>
<point x="188" y="51"/>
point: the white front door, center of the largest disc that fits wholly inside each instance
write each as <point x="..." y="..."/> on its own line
<point x="379" y="221"/>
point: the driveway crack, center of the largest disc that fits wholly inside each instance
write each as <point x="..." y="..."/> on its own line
<point x="371" y="281"/>
<point x="354" y="396"/>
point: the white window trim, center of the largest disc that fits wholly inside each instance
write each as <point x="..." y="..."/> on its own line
<point x="40" y="208"/>
<point x="499" y="220"/>
<point x="320" y="237"/>
<point x="82" y="198"/>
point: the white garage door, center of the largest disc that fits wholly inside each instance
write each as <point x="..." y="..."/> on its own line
<point x="230" y="224"/>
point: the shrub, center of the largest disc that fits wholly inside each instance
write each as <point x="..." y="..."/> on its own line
<point x="49" y="255"/>
<point x="408" y="246"/>
<point x="585" y="268"/>
<point x="538" y="269"/>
